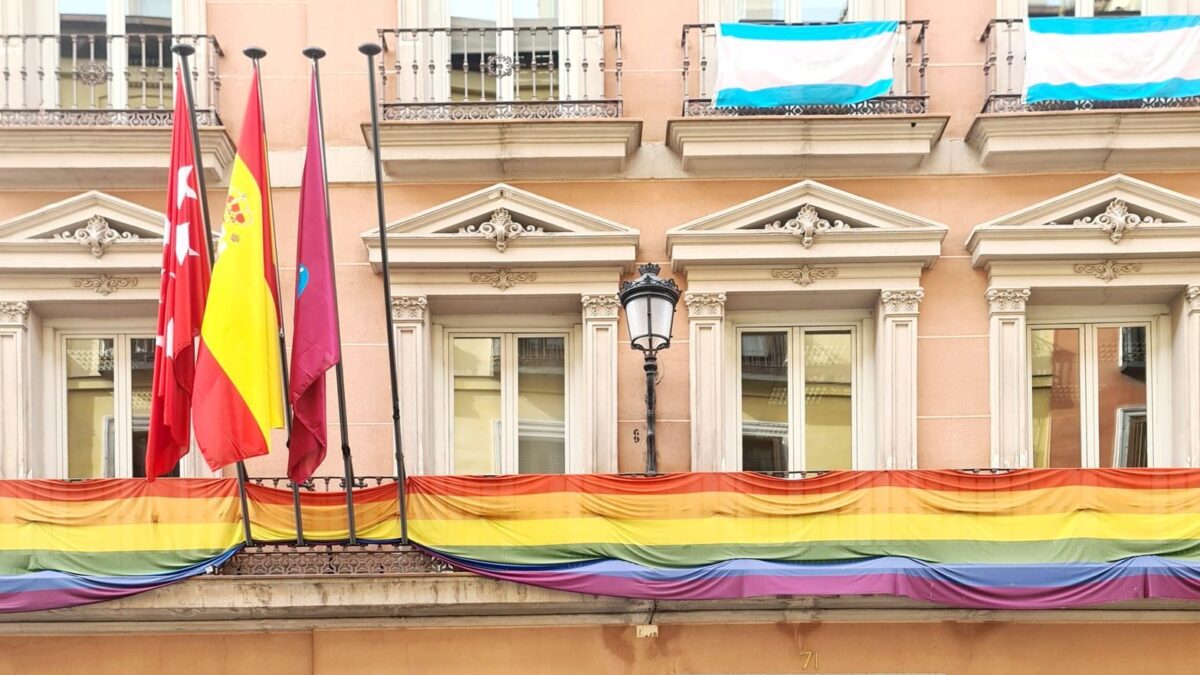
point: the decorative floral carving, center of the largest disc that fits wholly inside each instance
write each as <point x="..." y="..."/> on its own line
<point x="92" y="73"/>
<point x="805" y="275"/>
<point x="1007" y="299"/>
<point x="1117" y="220"/>
<point x="105" y="284"/>
<point x="14" y="311"/>
<point x="499" y="65"/>
<point x="806" y="225"/>
<point x="501" y="229"/>
<point x="97" y="235"/>
<point x="1107" y="270"/>
<point x="1192" y="295"/>
<point x="409" y="308"/>
<point x="600" y="306"/>
<point x="902" y="302"/>
<point x="705" y="304"/>
<point x="503" y="279"/>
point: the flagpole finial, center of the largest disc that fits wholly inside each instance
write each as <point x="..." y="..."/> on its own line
<point x="183" y="50"/>
<point x="370" y="48"/>
<point x="255" y="53"/>
<point x="314" y="53"/>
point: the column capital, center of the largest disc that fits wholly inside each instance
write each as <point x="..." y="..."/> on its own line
<point x="409" y="308"/>
<point x="1007" y="300"/>
<point x="1192" y="296"/>
<point x="13" y="311"/>
<point x="901" y="302"/>
<point x="705" y="305"/>
<point x="600" y="306"/>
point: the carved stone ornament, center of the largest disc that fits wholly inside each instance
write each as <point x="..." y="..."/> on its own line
<point x="1107" y="270"/>
<point x="1192" y="295"/>
<point x="97" y="235"/>
<point x="13" y="311"/>
<point x="1117" y="220"/>
<point x="600" y="306"/>
<point x="902" y="302"/>
<point x="105" y="284"/>
<point x="806" y="225"/>
<point x="1007" y="299"/>
<point x="705" y="304"/>
<point x="500" y="229"/>
<point x="409" y="308"/>
<point x="805" y="275"/>
<point x="92" y="73"/>
<point x="503" y="279"/>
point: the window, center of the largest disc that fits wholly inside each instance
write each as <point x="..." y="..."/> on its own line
<point x="793" y="11"/>
<point x="99" y="71"/>
<point x="509" y="402"/>
<point x="797" y="389"/>
<point x="1090" y="394"/>
<point x="105" y="397"/>
<point x="504" y="49"/>
<point x="1043" y="8"/>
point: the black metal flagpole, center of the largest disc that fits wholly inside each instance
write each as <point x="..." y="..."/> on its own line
<point x="255" y="54"/>
<point x="183" y="51"/>
<point x="371" y="50"/>
<point x="316" y="54"/>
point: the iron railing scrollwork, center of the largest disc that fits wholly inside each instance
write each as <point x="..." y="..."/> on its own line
<point x="102" y="80"/>
<point x="489" y="73"/>
<point x="332" y="560"/>
<point x="908" y="95"/>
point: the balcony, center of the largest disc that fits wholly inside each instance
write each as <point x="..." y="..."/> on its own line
<point x="888" y="134"/>
<point x="95" y="110"/>
<point x="1152" y="133"/>
<point x="492" y="103"/>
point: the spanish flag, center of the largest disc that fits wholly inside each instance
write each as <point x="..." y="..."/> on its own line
<point x="238" y="395"/>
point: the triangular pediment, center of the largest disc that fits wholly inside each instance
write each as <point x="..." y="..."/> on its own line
<point x="502" y="224"/>
<point x="804" y="201"/>
<point x="92" y="214"/>
<point x="808" y="220"/>
<point x="1117" y="216"/>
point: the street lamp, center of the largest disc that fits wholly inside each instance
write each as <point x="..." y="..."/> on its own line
<point x="649" y="303"/>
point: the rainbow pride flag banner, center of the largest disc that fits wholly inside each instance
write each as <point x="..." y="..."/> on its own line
<point x="1019" y="540"/>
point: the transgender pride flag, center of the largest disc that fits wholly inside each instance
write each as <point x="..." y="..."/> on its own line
<point x="1117" y="59"/>
<point x="763" y="66"/>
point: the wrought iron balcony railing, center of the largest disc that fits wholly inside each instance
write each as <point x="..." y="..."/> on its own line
<point x="85" y="80"/>
<point x="488" y="73"/>
<point x="1004" y="77"/>
<point x="907" y="96"/>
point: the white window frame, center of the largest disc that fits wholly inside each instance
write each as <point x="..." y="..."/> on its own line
<point x="445" y="329"/>
<point x="797" y="401"/>
<point x="861" y="323"/>
<point x="727" y="11"/>
<point x="1019" y="9"/>
<point x="1088" y="319"/>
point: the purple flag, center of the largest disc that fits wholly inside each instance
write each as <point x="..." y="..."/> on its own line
<point x="316" y="346"/>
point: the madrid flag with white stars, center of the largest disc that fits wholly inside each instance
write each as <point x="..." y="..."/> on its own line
<point x="182" y="295"/>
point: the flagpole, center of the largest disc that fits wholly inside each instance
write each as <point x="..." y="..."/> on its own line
<point x="255" y="54"/>
<point x="183" y="51"/>
<point x="316" y="54"/>
<point x="371" y="50"/>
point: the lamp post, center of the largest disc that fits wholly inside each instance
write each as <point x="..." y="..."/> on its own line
<point x="649" y="303"/>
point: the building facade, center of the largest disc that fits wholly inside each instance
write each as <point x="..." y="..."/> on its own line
<point x="940" y="278"/>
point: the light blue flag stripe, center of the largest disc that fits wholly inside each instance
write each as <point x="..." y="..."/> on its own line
<point x="1173" y="88"/>
<point x="1108" y="26"/>
<point x="801" y="94"/>
<point x="839" y="31"/>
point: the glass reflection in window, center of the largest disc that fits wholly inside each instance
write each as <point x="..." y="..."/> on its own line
<point x="541" y="405"/>
<point x="765" y="409"/>
<point x="478" y="410"/>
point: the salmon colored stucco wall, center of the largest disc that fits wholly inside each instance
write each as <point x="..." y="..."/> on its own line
<point x="960" y="649"/>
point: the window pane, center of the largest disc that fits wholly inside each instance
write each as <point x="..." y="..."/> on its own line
<point x="91" y="433"/>
<point x="83" y="68"/>
<point x="764" y="377"/>
<point x="148" y="23"/>
<point x="541" y="405"/>
<point x="477" y="405"/>
<point x="141" y="372"/>
<point x="535" y="12"/>
<point x="1121" y="375"/>
<point x="828" y="400"/>
<point x="1117" y="7"/>
<point x="824" y="11"/>
<point x="1051" y="8"/>
<point x="762" y="10"/>
<point x="1056" y="410"/>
